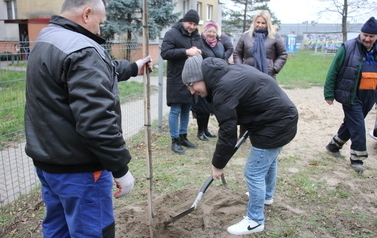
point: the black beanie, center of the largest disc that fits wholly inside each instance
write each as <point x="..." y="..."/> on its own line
<point x="370" y="27"/>
<point x="191" y="16"/>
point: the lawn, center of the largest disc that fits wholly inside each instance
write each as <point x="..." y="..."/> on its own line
<point x="304" y="69"/>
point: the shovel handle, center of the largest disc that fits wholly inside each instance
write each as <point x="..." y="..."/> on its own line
<point x="240" y="141"/>
<point x="206" y="184"/>
<point x="202" y="191"/>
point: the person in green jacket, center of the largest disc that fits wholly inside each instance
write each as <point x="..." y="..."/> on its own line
<point x="352" y="81"/>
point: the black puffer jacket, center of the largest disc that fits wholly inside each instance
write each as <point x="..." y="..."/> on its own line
<point x="72" y="113"/>
<point x="243" y="95"/>
<point x="173" y="49"/>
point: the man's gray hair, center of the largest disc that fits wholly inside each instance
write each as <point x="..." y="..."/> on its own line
<point x="74" y="5"/>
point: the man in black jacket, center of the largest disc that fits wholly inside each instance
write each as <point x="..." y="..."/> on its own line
<point x="180" y="42"/>
<point x="73" y="122"/>
<point x="243" y="95"/>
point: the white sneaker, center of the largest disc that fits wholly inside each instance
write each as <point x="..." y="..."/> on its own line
<point x="244" y="227"/>
<point x="266" y="202"/>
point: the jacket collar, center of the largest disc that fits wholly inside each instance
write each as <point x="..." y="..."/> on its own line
<point x="73" y="26"/>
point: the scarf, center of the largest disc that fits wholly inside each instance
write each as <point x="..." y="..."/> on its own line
<point x="259" y="50"/>
<point x="211" y="43"/>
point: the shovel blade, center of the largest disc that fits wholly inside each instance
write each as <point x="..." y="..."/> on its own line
<point x="180" y="215"/>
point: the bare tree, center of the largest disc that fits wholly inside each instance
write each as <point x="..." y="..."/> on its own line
<point x="350" y="11"/>
<point x="237" y="19"/>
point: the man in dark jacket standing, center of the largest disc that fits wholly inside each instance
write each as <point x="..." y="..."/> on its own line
<point x="73" y="122"/>
<point x="352" y="80"/>
<point x="180" y="42"/>
<point x="243" y="95"/>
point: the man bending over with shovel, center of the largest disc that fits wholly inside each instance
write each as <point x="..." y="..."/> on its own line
<point x="242" y="95"/>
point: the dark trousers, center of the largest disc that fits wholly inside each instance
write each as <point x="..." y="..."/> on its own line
<point x="353" y="126"/>
<point x="202" y="121"/>
<point x="77" y="205"/>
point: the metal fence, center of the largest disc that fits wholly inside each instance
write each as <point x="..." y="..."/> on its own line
<point x="17" y="174"/>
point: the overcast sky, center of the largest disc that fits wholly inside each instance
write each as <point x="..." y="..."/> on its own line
<point x="299" y="11"/>
<point x="296" y="11"/>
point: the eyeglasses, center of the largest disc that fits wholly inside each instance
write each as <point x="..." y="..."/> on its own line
<point x="213" y="32"/>
<point x="189" y="86"/>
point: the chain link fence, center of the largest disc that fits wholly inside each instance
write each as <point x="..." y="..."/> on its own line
<point x="17" y="173"/>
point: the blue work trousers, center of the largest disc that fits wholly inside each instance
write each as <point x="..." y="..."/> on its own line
<point x="78" y="205"/>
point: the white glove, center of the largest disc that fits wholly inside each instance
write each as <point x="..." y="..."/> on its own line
<point x="141" y="62"/>
<point x="125" y="184"/>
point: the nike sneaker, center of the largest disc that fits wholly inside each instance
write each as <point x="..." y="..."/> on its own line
<point x="246" y="226"/>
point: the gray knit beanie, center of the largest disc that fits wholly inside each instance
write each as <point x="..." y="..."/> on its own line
<point x="192" y="71"/>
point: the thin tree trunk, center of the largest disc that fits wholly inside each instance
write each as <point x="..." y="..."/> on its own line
<point x="245" y="15"/>
<point x="147" y="118"/>
<point x="344" y="20"/>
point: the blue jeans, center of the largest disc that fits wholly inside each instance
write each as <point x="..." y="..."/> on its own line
<point x="179" y="118"/>
<point x="77" y="205"/>
<point x="260" y="173"/>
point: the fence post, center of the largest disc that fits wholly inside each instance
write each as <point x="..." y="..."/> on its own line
<point x="160" y="86"/>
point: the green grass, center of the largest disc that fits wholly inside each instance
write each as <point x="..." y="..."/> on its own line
<point x="12" y="91"/>
<point x="304" y="70"/>
<point x="12" y="102"/>
<point x="19" y="64"/>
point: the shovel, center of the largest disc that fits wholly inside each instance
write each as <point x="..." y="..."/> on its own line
<point x="205" y="186"/>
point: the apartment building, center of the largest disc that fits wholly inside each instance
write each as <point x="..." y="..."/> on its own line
<point x="18" y="16"/>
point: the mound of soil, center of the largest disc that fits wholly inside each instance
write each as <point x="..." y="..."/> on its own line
<point x="211" y="218"/>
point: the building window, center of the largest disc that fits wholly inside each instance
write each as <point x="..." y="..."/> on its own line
<point x="11" y="9"/>
<point x="184" y="8"/>
<point x="199" y="8"/>
<point x="209" y="12"/>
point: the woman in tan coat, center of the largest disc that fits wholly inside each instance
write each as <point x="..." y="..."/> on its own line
<point x="261" y="46"/>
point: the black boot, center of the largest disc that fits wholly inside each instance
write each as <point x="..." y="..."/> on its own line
<point x="176" y="146"/>
<point x="183" y="141"/>
<point x="206" y="131"/>
<point x="357" y="165"/>
<point x="209" y="134"/>
<point x="202" y="136"/>
<point x="334" y="150"/>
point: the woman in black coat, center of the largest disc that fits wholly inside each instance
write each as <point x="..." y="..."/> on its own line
<point x="214" y="46"/>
